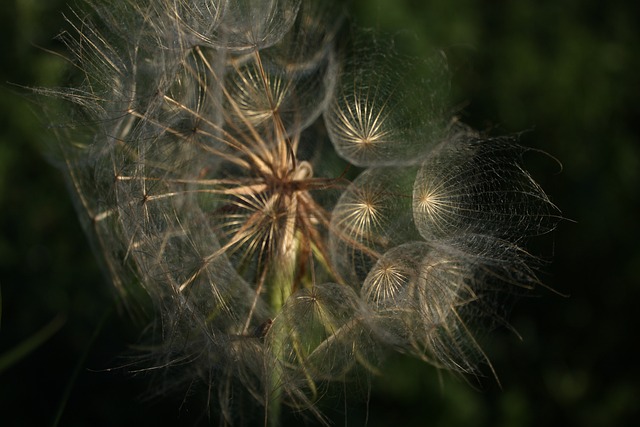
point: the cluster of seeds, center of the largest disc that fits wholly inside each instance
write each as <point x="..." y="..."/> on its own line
<point x="292" y="209"/>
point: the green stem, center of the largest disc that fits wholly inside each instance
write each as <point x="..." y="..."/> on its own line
<point x="274" y="399"/>
<point x="282" y="273"/>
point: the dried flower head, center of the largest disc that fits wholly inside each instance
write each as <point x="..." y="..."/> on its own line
<point x="292" y="211"/>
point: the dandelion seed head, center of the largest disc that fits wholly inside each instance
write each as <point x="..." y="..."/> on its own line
<point x="203" y="145"/>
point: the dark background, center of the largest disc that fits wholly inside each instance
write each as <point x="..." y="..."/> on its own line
<point x="564" y="71"/>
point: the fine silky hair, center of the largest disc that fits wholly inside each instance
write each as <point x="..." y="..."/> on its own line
<point x="293" y="202"/>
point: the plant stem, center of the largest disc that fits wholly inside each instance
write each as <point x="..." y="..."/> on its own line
<point x="282" y="276"/>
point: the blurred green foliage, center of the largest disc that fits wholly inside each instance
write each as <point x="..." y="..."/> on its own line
<point x="565" y="72"/>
